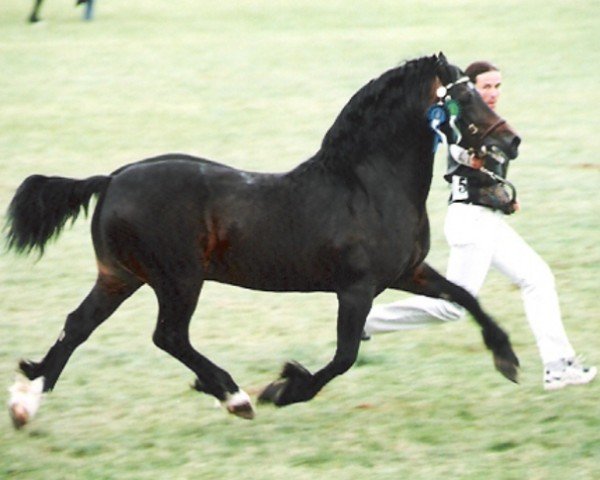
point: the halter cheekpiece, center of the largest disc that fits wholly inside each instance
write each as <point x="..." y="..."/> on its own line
<point x="446" y="109"/>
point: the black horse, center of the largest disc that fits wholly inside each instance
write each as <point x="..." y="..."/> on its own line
<point x="34" y="15"/>
<point x="350" y="220"/>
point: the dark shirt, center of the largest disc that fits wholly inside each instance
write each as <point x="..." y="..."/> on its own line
<point x="469" y="185"/>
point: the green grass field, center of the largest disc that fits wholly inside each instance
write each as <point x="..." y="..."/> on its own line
<point x="256" y="84"/>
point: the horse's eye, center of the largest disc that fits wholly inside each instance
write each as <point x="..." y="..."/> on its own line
<point x="465" y="96"/>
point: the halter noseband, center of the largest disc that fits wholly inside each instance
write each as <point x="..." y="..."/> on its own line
<point x="493" y="127"/>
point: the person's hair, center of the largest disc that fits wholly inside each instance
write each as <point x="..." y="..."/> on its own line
<point x="477" y="68"/>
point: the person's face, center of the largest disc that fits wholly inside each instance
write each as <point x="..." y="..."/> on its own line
<point x="488" y="86"/>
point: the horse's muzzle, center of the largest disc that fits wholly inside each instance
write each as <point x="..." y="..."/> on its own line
<point x="504" y="139"/>
<point x="514" y="146"/>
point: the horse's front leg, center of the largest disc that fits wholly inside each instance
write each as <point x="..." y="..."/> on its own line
<point x="296" y="383"/>
<point x="424" y="280"/>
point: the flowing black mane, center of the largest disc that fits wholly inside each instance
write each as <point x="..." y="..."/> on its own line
<point x="383" y="117"/>
<point x="381" y="113"/>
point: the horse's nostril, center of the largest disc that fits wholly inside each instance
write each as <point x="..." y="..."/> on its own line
<point x="514" y="145"/>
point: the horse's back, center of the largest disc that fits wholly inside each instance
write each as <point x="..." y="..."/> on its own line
<point x="169" y="181"/>
<point x="171" y="170"/>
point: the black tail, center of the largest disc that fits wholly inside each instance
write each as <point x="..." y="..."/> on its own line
<point x="42" y="206"/>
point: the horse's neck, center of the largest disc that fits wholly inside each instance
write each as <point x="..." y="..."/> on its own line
<point x="408" y="172"/>
<point x="399" y="175"/>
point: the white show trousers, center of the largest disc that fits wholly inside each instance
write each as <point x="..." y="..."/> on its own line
<point x="479" y="238"/>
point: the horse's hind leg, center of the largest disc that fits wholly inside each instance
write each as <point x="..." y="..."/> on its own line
<point x="104" y="298"/>
<point x="177" y="302"/>
<point x="426" y="281"/>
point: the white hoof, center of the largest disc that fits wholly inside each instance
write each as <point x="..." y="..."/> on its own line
<point x="239" y="404"/>
<point x="25" y="399"/>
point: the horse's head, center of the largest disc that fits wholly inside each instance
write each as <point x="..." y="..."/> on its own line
<point x="477" y="127"/>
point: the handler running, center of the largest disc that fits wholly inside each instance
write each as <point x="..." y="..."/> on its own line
<point x="480" y="238"/>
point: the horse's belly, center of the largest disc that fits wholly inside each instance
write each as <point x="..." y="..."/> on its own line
<point x="270" y="280"/>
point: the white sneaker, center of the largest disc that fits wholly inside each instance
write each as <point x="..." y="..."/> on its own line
<point x="567" y="372"/>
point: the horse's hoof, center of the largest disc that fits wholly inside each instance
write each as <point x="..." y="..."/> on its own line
<point x="292" y="386"/>
<point x="239" y="404"/>
<point x="506" y="362"/>
<point x="25" y="399"/>
<point x="507" y="368"/>
<point x="273" y="391"/>
<point x="29" y="369"/>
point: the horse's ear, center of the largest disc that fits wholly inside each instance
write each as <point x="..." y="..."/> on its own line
<point x="441" y="68"/>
